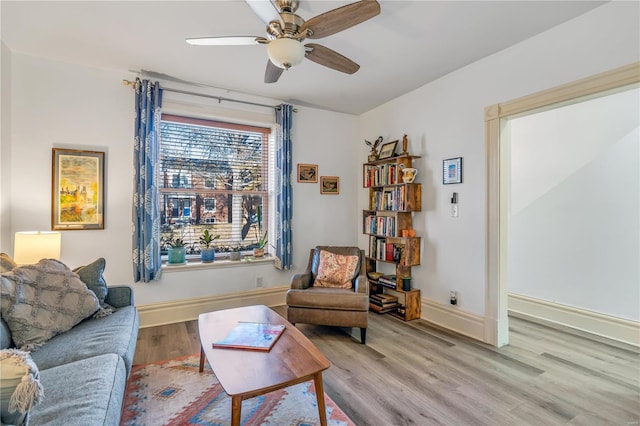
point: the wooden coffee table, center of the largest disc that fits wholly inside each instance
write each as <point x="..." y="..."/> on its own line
<point x="245" y="373"/>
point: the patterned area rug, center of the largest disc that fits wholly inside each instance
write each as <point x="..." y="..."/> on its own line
<point x="174" y="393"/>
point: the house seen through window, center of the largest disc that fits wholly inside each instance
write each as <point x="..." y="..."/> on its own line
<point x="213" y="175"/>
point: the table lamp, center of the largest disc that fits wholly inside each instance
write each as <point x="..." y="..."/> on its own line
<point x="31" y="246"/>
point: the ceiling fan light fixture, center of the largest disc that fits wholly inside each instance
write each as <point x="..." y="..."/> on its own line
<point x="285" y="52"/>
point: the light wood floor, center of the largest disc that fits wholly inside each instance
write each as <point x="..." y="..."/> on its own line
<point x="415" y="374"/>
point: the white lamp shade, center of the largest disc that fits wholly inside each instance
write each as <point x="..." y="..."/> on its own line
<point x="285" y="52"/>
<point x="31" y="246"/>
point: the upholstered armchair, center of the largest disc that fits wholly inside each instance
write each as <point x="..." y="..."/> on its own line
<point x="317" y="297"/>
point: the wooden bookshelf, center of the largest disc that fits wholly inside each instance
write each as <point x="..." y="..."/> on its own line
<point x="392" y="204"/>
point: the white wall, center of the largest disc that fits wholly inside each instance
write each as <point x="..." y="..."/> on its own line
<point x="574" y="205"/>
<point x="5" y="145"/>
<point x="56" y="104"/>
<point x="446" y="119"/>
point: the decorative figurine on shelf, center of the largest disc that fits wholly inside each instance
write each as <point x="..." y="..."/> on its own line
<point x="405" y="142"/>
<point x="408" y="173"/>
<point x="373" y="155"/>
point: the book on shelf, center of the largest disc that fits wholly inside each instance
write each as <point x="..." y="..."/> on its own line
<point x="389" y="198"/>
<point x="383" y="298"/>
<point x="389" y="249"/>
<point x="251" y="335"/>
<point x="380" y="225"/>
<point x="383" y="301"/>
<point x="380" y="175"/>
<point x="382" y="306"/>
<point x="381" y="310"/>
<point x="387" y="281"/>
<point x="379" y="248"/>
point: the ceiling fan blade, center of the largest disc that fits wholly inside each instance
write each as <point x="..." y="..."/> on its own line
<point x="265" y="10"/>
<point x="226" y="41"/>
<point x="272" y="73"/>
<point x="330" y="58"/>
<point x="339" y="19"/>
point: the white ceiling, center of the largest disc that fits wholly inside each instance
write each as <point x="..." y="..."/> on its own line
<point x="408" y="45"/>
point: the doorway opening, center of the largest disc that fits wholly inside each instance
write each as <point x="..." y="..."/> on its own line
<point x="545" y="183"/>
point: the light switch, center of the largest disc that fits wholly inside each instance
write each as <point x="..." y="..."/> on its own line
<point x="454" y="204"/>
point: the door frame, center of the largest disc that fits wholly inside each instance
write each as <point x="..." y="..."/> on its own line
<point x="496" y="327"/>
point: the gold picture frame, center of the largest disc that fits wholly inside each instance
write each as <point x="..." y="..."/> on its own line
<point x="329" y="185"/>
<point x="307" y="173"/>
<point x="77" y="189"/>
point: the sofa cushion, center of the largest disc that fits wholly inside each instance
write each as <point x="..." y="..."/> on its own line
<point x="20" y="388"/>
<point x="336" y="270"/>
<point x="6" y="263"/>
<point x="328" y="299"/>
<point x="91" y="275"/>
<point x="42" y="300"/>
<point x="116" y="333"/>
<point x="5" y="335"/>
<point x="86" y="392"/>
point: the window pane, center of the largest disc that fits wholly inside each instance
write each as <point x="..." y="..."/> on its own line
<point x="215" y="178"/>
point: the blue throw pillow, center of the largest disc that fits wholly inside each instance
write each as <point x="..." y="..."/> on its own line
<point x="91" y="275"/>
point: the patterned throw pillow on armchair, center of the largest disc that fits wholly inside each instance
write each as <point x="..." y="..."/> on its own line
<point x="336" y="270"/>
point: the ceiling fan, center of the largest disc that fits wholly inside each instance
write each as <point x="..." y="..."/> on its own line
<point x="286" y="31"/>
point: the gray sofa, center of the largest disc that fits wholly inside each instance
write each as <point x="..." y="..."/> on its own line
<point x="84" y="371"/>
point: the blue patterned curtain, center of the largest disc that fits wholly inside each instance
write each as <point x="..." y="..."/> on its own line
<point x="284" y="207"/>
<point x="146" y="210"/>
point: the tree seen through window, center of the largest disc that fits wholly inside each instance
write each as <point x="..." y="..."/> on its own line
<point x="213" y="176"/>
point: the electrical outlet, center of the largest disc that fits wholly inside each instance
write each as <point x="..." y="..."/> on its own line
<point x="258" y="281"/>
<point x="454" y="210"/>
<point x="453" y="297"/>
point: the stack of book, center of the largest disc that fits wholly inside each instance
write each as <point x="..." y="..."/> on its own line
<point x="382" y="303"/>
<point x="387" y="281"/>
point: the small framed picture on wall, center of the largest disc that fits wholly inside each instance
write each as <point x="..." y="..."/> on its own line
<point x="307" y="173"/>
<point x="452" y="170"/>
<point x="329" y="185"/>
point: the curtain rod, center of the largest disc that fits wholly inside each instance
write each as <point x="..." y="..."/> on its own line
<point x="218" y="98"/>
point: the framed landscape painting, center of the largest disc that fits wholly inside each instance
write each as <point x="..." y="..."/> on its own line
<point x="77" y="190"/>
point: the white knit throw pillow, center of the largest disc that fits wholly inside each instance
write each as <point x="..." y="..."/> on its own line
<point x="20" y="388"/>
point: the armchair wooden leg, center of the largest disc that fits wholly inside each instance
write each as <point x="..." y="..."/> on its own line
<point x="363" y="335"/>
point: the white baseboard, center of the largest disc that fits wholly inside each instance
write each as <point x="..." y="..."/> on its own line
<point x="618" y="329"/>
<point x="189" y="309"/>
<point x="453" y="319"/>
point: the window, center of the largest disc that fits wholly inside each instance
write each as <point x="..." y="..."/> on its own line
<point x="180" y="181"/>
<point x="213" y="175"/>
<point x="209" y="204"/>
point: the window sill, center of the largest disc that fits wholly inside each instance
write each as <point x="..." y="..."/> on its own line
<point x="247" y="261"/>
